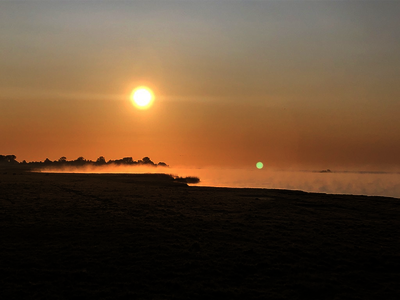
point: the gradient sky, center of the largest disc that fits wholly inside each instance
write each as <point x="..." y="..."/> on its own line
<point x="294" y="84"/>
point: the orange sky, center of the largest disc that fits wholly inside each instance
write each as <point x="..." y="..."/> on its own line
<point x="298" y="85"/>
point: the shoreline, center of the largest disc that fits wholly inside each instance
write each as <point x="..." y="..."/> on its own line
<point x="120" y="236"/>
<point x="202" y="184"/>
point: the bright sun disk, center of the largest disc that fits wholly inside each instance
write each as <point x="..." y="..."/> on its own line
<point x="142" y="97"/>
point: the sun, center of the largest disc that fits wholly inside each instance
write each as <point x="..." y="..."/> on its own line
<point x="142" y="97"/>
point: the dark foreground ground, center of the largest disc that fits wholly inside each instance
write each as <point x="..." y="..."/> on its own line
<point x="83" y="236"/>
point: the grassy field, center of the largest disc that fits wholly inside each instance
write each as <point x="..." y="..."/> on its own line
<point x="109" y="236"/>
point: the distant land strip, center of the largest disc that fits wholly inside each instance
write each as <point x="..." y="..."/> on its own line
<point x="11" y="160"/>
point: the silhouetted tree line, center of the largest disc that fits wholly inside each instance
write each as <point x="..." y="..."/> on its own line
<point x="79" y="162"/>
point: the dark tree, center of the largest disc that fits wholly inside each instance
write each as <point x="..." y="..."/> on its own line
<point x="101" y="160"/>
<point x="11" y="158"/>
<point x="8" y="159"/>
<point x="62" y="159"/>
<point x="127" y="160"/>
<point x="80" y="161"/>
<point x="147" y="161"/>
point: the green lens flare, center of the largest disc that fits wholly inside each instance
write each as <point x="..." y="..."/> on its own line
<point x="259" y="165"/>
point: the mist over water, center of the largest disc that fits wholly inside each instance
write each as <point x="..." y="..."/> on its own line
<point x="371" y="184"/>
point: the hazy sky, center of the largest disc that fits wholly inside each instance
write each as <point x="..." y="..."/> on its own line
<point x="294" y="84"/>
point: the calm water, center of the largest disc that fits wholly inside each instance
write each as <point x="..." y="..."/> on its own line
<point x="372" y="184"/>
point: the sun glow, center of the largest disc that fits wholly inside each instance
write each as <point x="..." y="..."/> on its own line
<point x="142" y="97"/>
